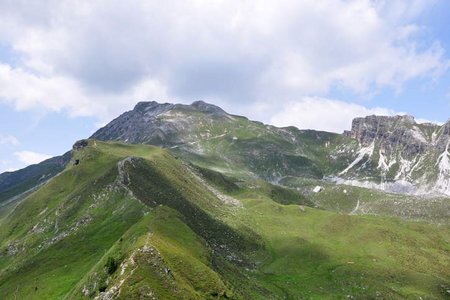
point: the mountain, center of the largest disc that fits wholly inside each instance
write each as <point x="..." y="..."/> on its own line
<point x="172" y="201"/>
<point x="378" y="153"/>
<point x="202" y="131"/>
<point x="394" y="154"/>
<point x="401" y="155"/>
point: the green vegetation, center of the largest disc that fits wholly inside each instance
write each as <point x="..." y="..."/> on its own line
<point x="133" y="222"/>
<point x="111" y="265"/>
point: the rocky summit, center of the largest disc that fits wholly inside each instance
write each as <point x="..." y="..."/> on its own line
<point x="160" y="124"/>
<point x="174" y="201"/>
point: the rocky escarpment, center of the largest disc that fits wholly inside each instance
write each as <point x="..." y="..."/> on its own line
<point x="397" y="151"/>
<point x="443" y="137"/>
<point x="393" y="134"/>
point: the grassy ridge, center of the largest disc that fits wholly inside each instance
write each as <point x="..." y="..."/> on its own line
<point x="54" y="236"/>
<point x="159" y="256"/>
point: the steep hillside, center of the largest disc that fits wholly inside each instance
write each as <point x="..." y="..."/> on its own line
<point x="133" y="221"/>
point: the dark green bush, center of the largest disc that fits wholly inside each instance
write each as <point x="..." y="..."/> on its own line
<point x="111" y="265"/>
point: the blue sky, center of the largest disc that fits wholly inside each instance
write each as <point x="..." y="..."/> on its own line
<point x="68" y="67"/>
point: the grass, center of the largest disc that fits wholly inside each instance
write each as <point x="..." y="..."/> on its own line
<point x="84" y="233"/>
<point x="319" y="254"/>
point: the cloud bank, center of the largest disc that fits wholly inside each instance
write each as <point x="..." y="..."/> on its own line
<point x="97" y="58"/>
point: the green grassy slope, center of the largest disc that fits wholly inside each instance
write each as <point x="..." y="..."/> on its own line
<point x="133" y="222"/>
<point x="319" y="254"/>
<point x="52" y="239"/>
<point x="159" y="256"/>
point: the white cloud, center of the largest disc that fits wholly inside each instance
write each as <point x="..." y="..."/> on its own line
<point x="26" y="90"/>
<point x="8" y="140"/>
<point x="78" y="55"/>
<point x="324" y="114"/>
<point x="30" y="157"/>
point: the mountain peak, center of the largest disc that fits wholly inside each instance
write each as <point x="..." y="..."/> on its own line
<point x="158" y="123"/>
<point x="155" y="108"/>
<point x="152" y="107"/>
<point x="386" y="119"/>
<point x="207" y="107"/>
<point x="408" y="118"/>
<point x="391" y="131"/>
<point x="143" y="105"/>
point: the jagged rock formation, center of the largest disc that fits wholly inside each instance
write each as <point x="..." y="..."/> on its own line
<point x="393" y="133"/>
<point x="400" y="153"/>
<point x="80" y="144"/>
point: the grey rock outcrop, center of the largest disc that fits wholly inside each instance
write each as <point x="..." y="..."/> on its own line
<point x="397" y="133"/>
<point x="399" y="151"/>
<point x="158" y="124"/>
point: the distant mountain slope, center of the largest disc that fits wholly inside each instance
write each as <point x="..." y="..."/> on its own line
<point x="13" y="184"/>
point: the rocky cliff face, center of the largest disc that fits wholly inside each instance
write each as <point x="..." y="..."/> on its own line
<point x="393" y="133"/>
<point x="398" y="151"/>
